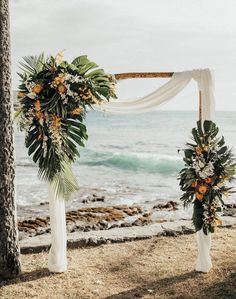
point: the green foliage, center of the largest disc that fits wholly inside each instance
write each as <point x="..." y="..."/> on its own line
<point x="54" y="97"/>
<point x="209" y="164"/>
<point x="198" y="215"/>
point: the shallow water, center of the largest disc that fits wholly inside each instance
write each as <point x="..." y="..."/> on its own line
<point x="129" y="159"/>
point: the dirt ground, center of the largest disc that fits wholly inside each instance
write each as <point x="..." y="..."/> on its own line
<point x="161" y="267"/>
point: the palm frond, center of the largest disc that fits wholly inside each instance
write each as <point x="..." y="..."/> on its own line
<point x="64" y="183"/>
<point x="33" y="64"/>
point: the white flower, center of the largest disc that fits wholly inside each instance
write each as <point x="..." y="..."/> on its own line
<point x="202" y="169"/>
<point x="59" y="57"/>
<point x="31" y="95"/>
<point x="201" y="164"/>
<point x="68" y="77"/>
<point x="41" y="121"/>
<point x="77" y="79"/>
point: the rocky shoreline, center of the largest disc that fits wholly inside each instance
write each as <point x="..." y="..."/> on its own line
<point x="95" y="218"/>
<point x="99" y="218"/>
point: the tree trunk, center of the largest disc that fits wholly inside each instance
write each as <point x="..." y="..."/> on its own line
<point x="9" y="250"/>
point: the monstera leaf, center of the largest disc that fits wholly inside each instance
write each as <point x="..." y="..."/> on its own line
<point x="54" y="97"/>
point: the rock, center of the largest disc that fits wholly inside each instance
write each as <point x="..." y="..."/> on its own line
<point x="95" y="227"/>
<point x="171" y="233"/>
<point x="40" y="232"/>
<point x="231" y="205"/>
<point x="172" y="205"/>
<point x="92" y="242"/>
<point x="44" y="203"/>
<point x="137" y="222"/>
<point x="114" y="226"/>
<point x="87" y="229"/>
<point x="103" y="223"/>
<point x="146" y="214"/>
<point x="102" y="199"/>
<point x="126" y="224"/>
<point x="161" y="220"/>
<point x="229" y="213"/>
<point x="187" y="230"/>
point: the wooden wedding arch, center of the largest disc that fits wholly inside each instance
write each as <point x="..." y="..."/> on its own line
<point x="123" y="76"/>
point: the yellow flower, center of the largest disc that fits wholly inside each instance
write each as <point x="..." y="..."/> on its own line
<point x="21" y="94"/>
<point x="37" y="105"/>
<point x="202" y="189"/>
<point x="37" y="88"/>
<point x="61" y="88"/>
<point x="199" y="196"/>
<point x="77" y="111"/>
<point x="198" y="150"/>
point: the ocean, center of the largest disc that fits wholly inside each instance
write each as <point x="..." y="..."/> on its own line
<point x="131" y="159"/>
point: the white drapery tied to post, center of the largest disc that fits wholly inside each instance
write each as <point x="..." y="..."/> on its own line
<point x="206" y="86"/>
<point x="165" y="93"/>
<point x="57" y="256"/>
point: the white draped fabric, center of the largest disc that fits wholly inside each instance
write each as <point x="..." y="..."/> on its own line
<point x="57" y="255"/>
<point x="166" y="92"/>
<point x="204" y="79"/>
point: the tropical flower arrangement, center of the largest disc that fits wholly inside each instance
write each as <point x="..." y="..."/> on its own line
<point x="209" y="165"/>
<point x="54" y="98"/>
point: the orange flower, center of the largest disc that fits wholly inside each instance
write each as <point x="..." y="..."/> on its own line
<point x="202" y="189"/>
<point x="39" y="115"/>
<point x="37" y="105"/>
<point x="21" y="94"/>
<point x="61" y="88"/>
<point x="59" y="79"/>
<point x="77" y="111"/>
<point x="194" y="184"/>
<point x="198" y="150"/>
<point x="56" y="120"/>
<point x="37" y="88"/>
<point x="199" y="196"/>
<point x="208" y="180"/>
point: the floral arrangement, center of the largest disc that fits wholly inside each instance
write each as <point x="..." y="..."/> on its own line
<point x="209" y="164"/>
<point x="54" y="97"/>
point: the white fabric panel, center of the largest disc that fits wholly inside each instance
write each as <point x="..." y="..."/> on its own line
<point x="57" y="255"/>
<point x="203" y="263"/>
<point x="206" y="85"/>
<point x="166" y="92"/>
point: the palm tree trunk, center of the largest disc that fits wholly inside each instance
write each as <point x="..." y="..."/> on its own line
<point x="9" y="250"/>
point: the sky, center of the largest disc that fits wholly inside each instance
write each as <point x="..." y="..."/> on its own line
<point x="135" y="36"/>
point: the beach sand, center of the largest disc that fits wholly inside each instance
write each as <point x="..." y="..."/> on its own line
<point x="161" y="267"/>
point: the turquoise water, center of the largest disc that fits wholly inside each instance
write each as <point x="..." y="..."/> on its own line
<point x="129" y="159"/>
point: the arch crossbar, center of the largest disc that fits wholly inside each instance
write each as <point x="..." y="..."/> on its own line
<point x="123" y="76"/>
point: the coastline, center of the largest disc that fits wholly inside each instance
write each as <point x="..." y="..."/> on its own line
<point x="94" y="224"/>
